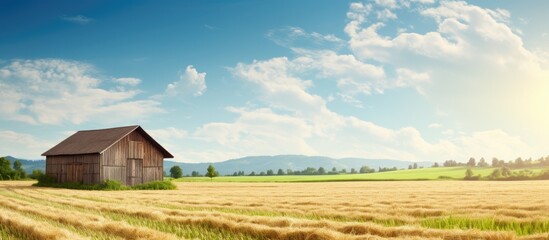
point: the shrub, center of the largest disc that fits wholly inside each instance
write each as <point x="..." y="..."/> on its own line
<point x="156" y="185"/>
<point x="109" y="185"/>
<point x="44" y="180"/>
<point x="36" y="174"/>
<point x="112" y="185"/>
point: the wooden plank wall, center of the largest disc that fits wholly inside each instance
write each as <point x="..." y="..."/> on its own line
<point x="81" y="168"/>
<point x="114" y="160"/>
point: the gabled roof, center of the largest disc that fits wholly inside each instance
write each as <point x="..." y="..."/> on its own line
<point x="99" y="140"/>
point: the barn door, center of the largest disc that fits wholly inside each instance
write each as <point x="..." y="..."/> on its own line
<point x="134" y="172"/>
<point x="134" y="166"/>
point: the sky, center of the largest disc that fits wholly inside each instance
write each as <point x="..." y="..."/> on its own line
<point x="416" y="80"/>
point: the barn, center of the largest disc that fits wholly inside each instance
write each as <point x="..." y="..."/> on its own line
<point x="126" y="154"/>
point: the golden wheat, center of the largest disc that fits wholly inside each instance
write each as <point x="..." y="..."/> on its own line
<point x="341" y="210"/>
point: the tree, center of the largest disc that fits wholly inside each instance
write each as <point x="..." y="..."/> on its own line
<point x="334" y="170"/>
<point x="495" y="162"/>
<point x="415" y="165"/>
<point x="506" y="172"/>
<point x="321" y="170"/>
<point x="495" y="174"/>
<point x="5" y="170"/>
<point x="353" y="171"/>
<point x="471" y="162"/>
<point x="36" y="173"/>
<point x="289" y="171"/>
<point x="366" y="169"/>
<point x="344" y="170"/>
<point x="468" y="173"/>
<point x="211" y="172"/>
<point x="176" y="172"/>
<point x="280" y="172"/>
<point x="482" y="163"/>
<point x="252" y="173"/>
<point x="18" y="170"/>
<point x="470" y="176"/>
<point x="410" y="166"/>
<point x="195" y="174"/>
<point x="270" y="172"/>
<point x="519" y="163"/>
<point x="436" y="165"/>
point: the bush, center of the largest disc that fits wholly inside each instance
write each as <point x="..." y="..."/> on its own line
<point x="112" y="185"/>
<point x="156" y="185"/>
<point x="109" y="185"/>
<point x="44" y="180"/>
<point x="36" y="174"/>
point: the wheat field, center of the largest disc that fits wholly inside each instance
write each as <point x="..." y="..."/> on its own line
<point x="339" y="210"/>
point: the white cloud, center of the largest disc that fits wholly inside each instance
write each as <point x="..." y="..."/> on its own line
<point x="424" y="1"/>
<point x="295" y="37"/>
<point x="448" y="65"/>
<point x="52" y="91"/>
<point x="190" y="82"/>
<point x="79" y="19"/>
<point x="385" y="14"/>
<point x="22" y="145"/>
<point x="128" y="81"/>
<point x="470" y="66"/>
<point x="387" y="3"/>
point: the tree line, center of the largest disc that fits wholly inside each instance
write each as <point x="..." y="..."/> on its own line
<point x="175" y="171"/>
<point x="517" y="163"/>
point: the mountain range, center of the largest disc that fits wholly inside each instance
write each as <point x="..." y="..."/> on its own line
<point x="263" y="163"/>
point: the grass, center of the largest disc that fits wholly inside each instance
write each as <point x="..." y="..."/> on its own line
<point x="110" y="185"/>
<point x="245" y="211"/>
<point x="520" y="227"/>
<point x="441" y="173"/>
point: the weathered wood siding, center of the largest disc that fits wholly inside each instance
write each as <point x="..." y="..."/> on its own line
<point x="146" y="161"/>
<point x="74" y="168"/>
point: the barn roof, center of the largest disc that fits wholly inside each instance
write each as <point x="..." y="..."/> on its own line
<point x="99" y="140"/>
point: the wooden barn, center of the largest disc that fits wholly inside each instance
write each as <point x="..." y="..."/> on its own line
<point x="126" y="154"/>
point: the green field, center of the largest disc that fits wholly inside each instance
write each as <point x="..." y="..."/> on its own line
<point x="412" y="174"/>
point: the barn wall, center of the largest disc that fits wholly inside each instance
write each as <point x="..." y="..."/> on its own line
<point x="114" y="160"/>
<point x="74" y="168"/>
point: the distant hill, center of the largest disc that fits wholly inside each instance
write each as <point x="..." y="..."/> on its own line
<point x="264" y="163"/>
<point x="28" y="165"/>
<point x="294" y="162"/>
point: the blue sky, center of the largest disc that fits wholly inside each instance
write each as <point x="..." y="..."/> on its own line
<point x="213" y="80"/>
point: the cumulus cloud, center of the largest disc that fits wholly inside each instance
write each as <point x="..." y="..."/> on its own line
<point x="53" y="91"/>
<point x="191" y="82"/>
<point x="286" y="87"/>
<point x="473" y="64"/>
<point x="310" y="126"/>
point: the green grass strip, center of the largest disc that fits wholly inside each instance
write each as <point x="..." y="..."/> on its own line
<point x="520" y="228"/>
